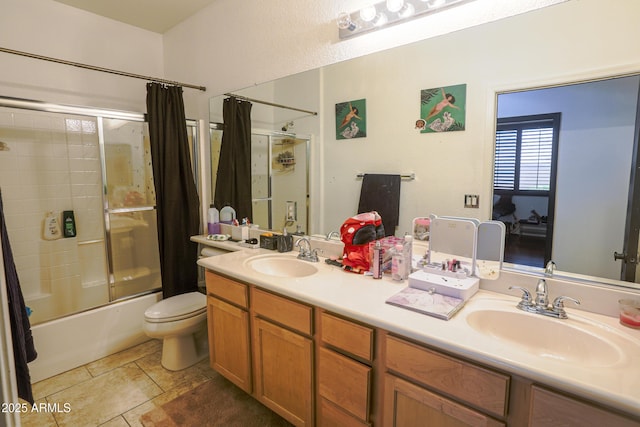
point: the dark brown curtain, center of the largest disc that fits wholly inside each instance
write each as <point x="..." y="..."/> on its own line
<point x="233" y="182"/>
<point x="177" y="203"/>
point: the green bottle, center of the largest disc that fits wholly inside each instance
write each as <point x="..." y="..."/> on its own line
<point x="68" y="224"/>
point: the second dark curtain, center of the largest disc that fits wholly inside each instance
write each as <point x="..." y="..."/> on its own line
<point x="233" y="181"/>
<point x="177" y="202"/>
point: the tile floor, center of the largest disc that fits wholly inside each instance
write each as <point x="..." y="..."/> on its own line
<point x="114" y="391"/>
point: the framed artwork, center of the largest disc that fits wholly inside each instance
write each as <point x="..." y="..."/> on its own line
<point x="442" y="109"/>
<point x="351" y="119"/>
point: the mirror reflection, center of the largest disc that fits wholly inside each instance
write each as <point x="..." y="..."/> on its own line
<point x="448" y="166"/>
<point x="563" y="168"/>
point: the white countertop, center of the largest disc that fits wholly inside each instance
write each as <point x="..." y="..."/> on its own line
<point x="363" y="298"/>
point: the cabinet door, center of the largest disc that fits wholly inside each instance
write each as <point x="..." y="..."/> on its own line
<point x="553" y="409"/>
<point x="283" y="363"/>
<point x="229" y="342"/>
<point x="407" y="405"/>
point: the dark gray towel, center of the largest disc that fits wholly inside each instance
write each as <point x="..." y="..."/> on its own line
<point x="381" y="193"/>
<point x="23" y="348"/>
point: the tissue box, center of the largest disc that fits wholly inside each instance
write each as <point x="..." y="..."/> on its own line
<point x="269" y="241"/>
<point x="240" y="233"/>
<point x="463" y="288"/>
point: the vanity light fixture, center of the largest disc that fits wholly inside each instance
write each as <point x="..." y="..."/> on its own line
<point x="387" y="12"/>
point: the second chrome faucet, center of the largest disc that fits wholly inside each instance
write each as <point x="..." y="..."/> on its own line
<point x="541" y="303"/>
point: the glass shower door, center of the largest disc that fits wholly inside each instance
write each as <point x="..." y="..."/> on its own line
<point x="130" y="211"/>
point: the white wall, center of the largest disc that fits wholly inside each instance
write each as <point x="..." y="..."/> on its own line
<point x="49" y="28"/>
<point x="231" y="45"/>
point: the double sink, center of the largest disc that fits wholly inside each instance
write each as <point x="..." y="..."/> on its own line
<point x="577" y="340"/>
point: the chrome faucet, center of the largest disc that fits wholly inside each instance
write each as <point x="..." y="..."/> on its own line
<point x="550" y="268"/>
<point x="541" y="303"/>
<point x="542" y="294"/>
<point x="306" y="253"/>
<point x="331" y="234"/>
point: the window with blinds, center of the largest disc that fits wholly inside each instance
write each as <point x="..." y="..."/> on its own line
<point x="524" y="154"/>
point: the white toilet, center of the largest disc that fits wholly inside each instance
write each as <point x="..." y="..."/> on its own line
<point x="181" y="322"/>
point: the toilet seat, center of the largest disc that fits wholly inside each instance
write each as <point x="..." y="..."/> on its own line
<point x="176" y="308"/>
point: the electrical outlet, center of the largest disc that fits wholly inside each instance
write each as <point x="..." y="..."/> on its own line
<point x="471" y="201"/>
<point x="291" y="211"/>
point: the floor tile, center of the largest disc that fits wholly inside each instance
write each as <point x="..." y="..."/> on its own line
<point x="115" y="422"/>
<point x="186" y="379"/>
<point x="60" y="382"/>
<point x="121" y="358"/>
<point x="38" y="418"/>
<point x="105" y="397"/>
<point x="133" y="416"/>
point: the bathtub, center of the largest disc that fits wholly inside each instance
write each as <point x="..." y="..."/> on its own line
<point x="73" y="341"/>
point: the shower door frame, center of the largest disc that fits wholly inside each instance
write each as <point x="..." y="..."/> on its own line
<point x="99" y="114"/>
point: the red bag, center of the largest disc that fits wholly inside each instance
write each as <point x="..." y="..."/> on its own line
<point x="356" y="233"/>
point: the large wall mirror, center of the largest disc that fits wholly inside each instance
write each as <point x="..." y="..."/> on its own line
<point x="579" y="222"/>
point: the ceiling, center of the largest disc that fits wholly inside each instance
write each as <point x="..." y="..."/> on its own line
<point x="153" y="15"/>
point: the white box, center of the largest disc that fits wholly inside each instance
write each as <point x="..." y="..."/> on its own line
<point x="463" y="288"/>
<point x="240" y="233"/>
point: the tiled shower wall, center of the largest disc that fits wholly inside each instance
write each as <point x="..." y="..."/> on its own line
<point x="51" y="162"/>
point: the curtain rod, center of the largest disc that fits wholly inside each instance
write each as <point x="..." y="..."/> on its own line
<point x="244" y="98"/>
<point x="104" y="70"/>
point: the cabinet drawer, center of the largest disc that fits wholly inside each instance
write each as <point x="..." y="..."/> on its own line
<point x="354" y="339"/>
<point x="549" y="408"/>
<point x="329" y="415"/>
<point x="344" y="382"/>
<point x="227" y="289"/>
<point x="481" y="387"/>
<point x="282" y="310"/>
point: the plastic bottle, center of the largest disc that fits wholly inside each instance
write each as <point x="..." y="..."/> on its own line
<point x="51" y="227"/>
<point x="69" y="224"/>
<point x="376" y="262"/>
<point x="408" y="254"/>
<point x="398" y="269"/>
<point x="213" y="220"/>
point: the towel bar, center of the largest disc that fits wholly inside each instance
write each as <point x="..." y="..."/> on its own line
<point x="407" y="176"/>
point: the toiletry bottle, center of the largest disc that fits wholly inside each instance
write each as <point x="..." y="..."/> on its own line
<point x="51" y="229"/>
<point x="213" y="220"/>
<point x="69" y="224"/>
<point x="376" y="262"/>
<point x="408" y="254"/>
<point x="398" y="269"/>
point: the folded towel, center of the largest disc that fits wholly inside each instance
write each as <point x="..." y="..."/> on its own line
<point x="381" y="193"/>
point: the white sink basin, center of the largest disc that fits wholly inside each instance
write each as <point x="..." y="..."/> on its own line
<point x="573" y="340"/>
<point x="281" y="266"/>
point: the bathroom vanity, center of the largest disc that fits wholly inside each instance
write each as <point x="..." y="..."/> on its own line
<point x="320" y="346"/>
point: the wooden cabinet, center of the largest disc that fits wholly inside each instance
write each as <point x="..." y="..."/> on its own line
<point x="313" y="367"/>
<point x="283" y="356"/>
<point x="455" y="392"/>
<point x="408" y="405"/>
<point x="552" y="409"/>
<point x="344" y="373"/>
<point x="228" y="329"/>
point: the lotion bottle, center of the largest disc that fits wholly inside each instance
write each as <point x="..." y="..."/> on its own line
<point x="376" y="262"/>
<point x="213" y="220"/>
<point x="51" y="229"/>
<point x="398" y="269"/>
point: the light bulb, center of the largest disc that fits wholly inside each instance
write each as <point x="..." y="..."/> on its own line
<point x="368" y="13"/>
<point x="345" y="22"/>
<point x="380" y="20"/>
<point x="407" y="11"/>
<point x="394" y="5"/>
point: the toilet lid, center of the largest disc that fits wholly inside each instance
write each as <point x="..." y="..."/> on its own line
<point x="183" y="305"/>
